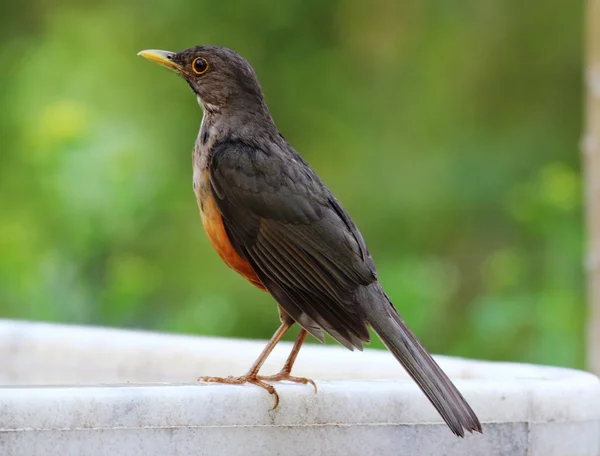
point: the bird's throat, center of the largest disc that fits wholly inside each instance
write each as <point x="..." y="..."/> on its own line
<point x="208" y="108"/>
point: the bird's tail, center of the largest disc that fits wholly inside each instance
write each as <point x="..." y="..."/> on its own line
<point x="393" y="332"/>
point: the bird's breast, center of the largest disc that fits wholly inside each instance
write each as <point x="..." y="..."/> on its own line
<point x="215" y="229"/>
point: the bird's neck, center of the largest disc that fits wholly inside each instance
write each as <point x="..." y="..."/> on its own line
<point x="230" y="123"/>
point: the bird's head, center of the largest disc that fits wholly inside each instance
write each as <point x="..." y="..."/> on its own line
<point x="220" y="78"/>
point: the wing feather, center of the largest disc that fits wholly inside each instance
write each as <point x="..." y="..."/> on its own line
<point x="296" y="237"/>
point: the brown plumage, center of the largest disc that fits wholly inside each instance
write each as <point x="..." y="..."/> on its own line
<point x="215" y="231"/>
<point x="271" y="218"/>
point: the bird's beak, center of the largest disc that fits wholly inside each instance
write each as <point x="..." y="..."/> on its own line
<point x="162" y="58"/>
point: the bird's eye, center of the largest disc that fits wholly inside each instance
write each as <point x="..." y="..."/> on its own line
<point x="200" y="65"/>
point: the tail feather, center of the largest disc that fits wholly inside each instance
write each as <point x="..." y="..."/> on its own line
<point x="393" y="332"/>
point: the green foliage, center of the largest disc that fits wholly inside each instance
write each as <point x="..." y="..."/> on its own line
<point x="449" y="132"/>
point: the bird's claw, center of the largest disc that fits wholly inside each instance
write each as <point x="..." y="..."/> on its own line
<point x="261" y="381"/>
<point x="286" y="377"/>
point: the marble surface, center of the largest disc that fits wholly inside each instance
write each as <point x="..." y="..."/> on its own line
<point x="67" y="390"/>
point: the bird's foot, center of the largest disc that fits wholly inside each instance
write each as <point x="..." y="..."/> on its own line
<point x="253" y="379"/>
<point x="284" y="376"/>
<point x="261" y="381"/>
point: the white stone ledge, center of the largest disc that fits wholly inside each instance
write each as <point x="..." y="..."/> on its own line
<point x="134" y="393"/>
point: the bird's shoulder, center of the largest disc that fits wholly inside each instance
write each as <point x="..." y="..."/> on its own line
<point x="268" y="177"/>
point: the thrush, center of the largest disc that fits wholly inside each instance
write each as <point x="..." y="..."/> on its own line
<point x="271" y="218"/>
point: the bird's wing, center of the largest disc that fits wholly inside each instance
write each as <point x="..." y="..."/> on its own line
<point x="302" y="245"/>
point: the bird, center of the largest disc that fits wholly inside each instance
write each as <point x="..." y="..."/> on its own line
<point x="271" y="218"/>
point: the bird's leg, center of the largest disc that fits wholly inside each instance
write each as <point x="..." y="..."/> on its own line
<point x="252" y="375"/>
<point x="260" y="380"/>
<point x="284" y="374"/>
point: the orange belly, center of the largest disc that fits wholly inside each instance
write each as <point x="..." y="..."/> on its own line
<point x="215" y="230"/>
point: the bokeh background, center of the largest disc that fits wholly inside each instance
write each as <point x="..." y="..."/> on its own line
<point x="449" y="130"/>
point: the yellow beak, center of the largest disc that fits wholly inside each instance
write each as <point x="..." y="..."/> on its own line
<point x="162" y="58"/>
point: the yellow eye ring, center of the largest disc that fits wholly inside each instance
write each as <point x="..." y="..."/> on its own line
<point x="199" y="66"/>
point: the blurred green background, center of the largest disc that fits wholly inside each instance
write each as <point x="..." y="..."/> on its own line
<point x="448" y="130"/>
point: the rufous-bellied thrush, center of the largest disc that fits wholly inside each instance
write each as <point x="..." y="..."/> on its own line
<point x="271" y="218"/>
